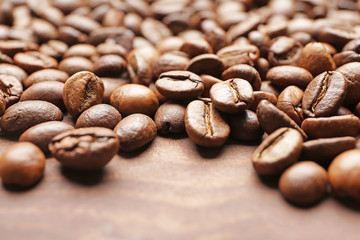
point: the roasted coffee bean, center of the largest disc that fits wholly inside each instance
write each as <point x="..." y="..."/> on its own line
<point x="289" y="101"/>
<point x="81" y="50"/>
<point x="232" y="96"/>
<point x="111" y="48"/>
<point x="272" y="118"/>
<point x="11" y="89"/>
<point x="54" y="48"/>
<point x="284" y="51"/>
<point x="244" y="27"/>
<point x="357" y="110"/>
<point x="195" y="47"/>
<point x="109" y="65"/>
<point x="81" y="91"/>
<point x="13" y="70"/>
<point x="283" y="76"/>
<point x="304" y="183"/>
<point x="23" y="115"/>
<point x="34" y="61"/>
<point x="316" y="59"/>
<point x="86" y="149"/>
<point x="243" y="71"/>
<point x="170" y="61"/>
<point x="208" y="82"/>
<point x="81" y="23"/>
<point x="261" y="95"/>
<point x="351" y="72"/>
<point x="46" y="75"/>
<point x="179" y="85"/>
<point x="266" y="86"/>
<point x="344" y="173"/>
<point x="43" y="30"/>
<point x="245" y="126"/>
<point x="205" y="125"/>
<point x="100" y="115"/>
<point x="2" y="105"/>
<point x="206" y="64"/>
<point x="324" y="150"/>
<point x="169" y="118"/>
<point x="22" y="165"/>
<point x="170" y="44"/>
<point x="71" y="36"/>
<point x="134" y="98"/>
<point x="72" y="65"/>
<point x="11" y="47"/>
<point x="121" y="35"/>
<point x="324" y="94"/>
<point x="110" y="84"/>
<point x="154" y="30"/>
<point x="336" y="126"/>
<point x="216" y="36"/>
<point x="277" y="152"/>
<point x="342" y="58"/>
<point x="236" y="54"/>
<point x="50" y="91"/>
<point x="134" y="131"/>
<point x="337" y="35"/>
<point x="5" y="59"/>
<point x="42" y="133"/>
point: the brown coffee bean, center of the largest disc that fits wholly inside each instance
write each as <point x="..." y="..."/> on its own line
<point x="283" y="76"/>
<point x="100" y="115"/>
<point x="266" y="86"/>
<point x="22" y="165"/>
<point x="81" y="23"/>
<point x="205" y="125"/>
<point x="81" y="91"/>
<point x="337" y="35"/>
<point x="109" y="65"/>
<point x="23" y="115"/>
<point x="34" y="61"/>
<point x="179" y="85"/>
<point x="195" y="47"/>
<point x="243" y="71"/>
<point x="81" y="50"/>
<point x="110" y="84"/>
<point x="170" y="44"/>
<point x="336" y="126"/>
<point x="11" y="89"/>
<point x="111" y="48"/>
<point x="170" y="61"/>
<point x="43" y="30"/>
<point x="324" y="150"/>
<point x="324" y="94"/>
<point x="232" y="96"/>
<point x="351" y="72"/>
<point x="134" y="98"/>
<point x="72" y="65"/>
<point x="289" y="101"/>
<point x="316" y="59"/>
<point x="216" y="36"/>
<point x="238" y="54"/>
<point x="304" y="183"/>
<point x="5" y="59"/>
<point x="344" y="173"/>
<point x="50" y="91"/>
<point x="284" y="51"/>
<point x="261" y="95"/>
<point x="121" y="35"/>
<point x="245" y="126"/>
<point x="71" y="36"/>
<point x="86" y="149"/>
<point x="208" y="82"/>
<point x="244" y="27"/>
<point x="169" y="118"/>
<point x="277" y="152"/>
<point x="13" y="70"/>
<point x="271" y="118"/>
<point x="154" y="30"/>
<point x="42" y="133"/>
<point x="134" y="131"/>
<point x="54" y="48"/>
<point x="206" y="64"/>
<point x="45" y="75"/>
<point x="11" y="47"/>
<point x="342" y="58"/>
<point x="357" y="110"/>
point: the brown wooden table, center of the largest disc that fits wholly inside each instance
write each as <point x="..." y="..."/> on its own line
<point x="172" y="189"/>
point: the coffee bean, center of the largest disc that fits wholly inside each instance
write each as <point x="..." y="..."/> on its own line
<point x="43" y="30"/>
<point x="71" y="36"/>
<point x="34" y="61"/>
<point x="170" y="61"/>
<point x="72" y="65"/>
<point x="179" y="85"/>
<point x="45" y="75"/>
<point x="11" y="47"/>
<point x="134" y="131"/>
<point x="243" y="71"/>
<point x="344" y="174"/>
<point x="5" y="59"/>
<point x="23" y="115"/>
<point x="284" y="51"/>
<point x="22" y="165"/>
<point x="336" y="126"/>
<point x="244" y="27"/>
<point x="343" y="111"/>
<point x="290" y="102"/>
<point x="324" y="94"/>
<point x="324" y="150"/>
<point x="351" y="73"/>
<point x="277" y="152"/>
<point x="271" y="118"/>
<point x="236" y="54"/>
<point x="170" y="44"/>
<point x="245" y="126"/>
<point x="261" y="95"/>
<point x="195" y="47"/>
<point x="81" y="23"/>
<point x="100" y="115"/>
<point x="50" y="91"/>
<point x="169" y="118"/>
<point x="342" y="58"/>
<point x="283" y="76"/>
<point x="11" y="89"/>
<point x="42" y="133"/>
<point x="205" y="125"/>
<point x="206" y="64"/>
<point x="266" y="86"/>
<point x="110" y="84"/>
<point x="232" y="96"/>
<point x="134" y="98"/>
<point x="154" y="30"/>
<point x="85" y="149"/>
<point x="111" y="48"/>
<point x="81" y="50"/>
<point x="54" y="48"/>
<point x="208" y="82"/>
<point x="121" y="35"/>
<point x="337" y="35"/>
<point x="304" y="183"/>
<point x="13" y="70"/>
<point x="109" y="65"/>
<point x="81" y="91"/>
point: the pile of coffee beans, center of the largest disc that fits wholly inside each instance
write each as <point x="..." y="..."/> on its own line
<point x="283" y="72"/>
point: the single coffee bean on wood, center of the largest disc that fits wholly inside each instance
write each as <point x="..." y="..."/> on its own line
<point x="205" y="125"/>
<point x="86" y="149"/>
<point x="22" y="165"/>
<point x="304" y="183"/>
<point x="99" y="115"/>
<point x="23" y="115"/>
<point x="134" y="131"/>
<point x="277" y="152"/>
<point x="289" y="101"/>
<point x="245" y="126"/>
<point x="81" y="91"/>
<point x="169" y="118"/>
<point x="42" y="133"/>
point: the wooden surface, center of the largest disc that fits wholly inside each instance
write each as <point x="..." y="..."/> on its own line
<point x="171" y="189"/>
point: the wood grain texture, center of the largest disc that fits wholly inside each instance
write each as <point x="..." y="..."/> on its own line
<point x="172" y="189"/>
